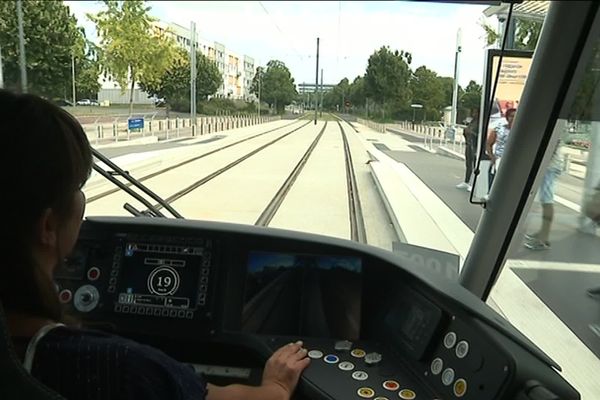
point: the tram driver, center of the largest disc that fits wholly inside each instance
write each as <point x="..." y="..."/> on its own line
<point x="46" y="159"/>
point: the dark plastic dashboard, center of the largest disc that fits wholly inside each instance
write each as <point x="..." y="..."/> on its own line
<point x="374" y="329"/>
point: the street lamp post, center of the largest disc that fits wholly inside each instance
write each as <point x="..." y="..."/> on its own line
<point x="21" y="47"/>
<point x="1" y="72"/>
<point x="73" y="78"/>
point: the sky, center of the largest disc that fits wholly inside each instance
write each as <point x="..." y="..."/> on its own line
<point x="349" y="32"/>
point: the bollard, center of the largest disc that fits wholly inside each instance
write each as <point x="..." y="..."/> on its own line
<point x="567" y="157"/>
<point x="193" y="130"/>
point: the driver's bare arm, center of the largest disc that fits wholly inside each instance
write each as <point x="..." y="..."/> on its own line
<point x="280" y="378"/>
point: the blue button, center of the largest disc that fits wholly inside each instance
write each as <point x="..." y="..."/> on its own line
<point x="331" y="359"/>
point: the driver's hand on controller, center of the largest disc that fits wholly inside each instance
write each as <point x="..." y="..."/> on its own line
<point x="280" y="377"/>
<point x="283" y="369"/>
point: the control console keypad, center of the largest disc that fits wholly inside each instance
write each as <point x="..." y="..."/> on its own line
<point x="444" y="366"/>
<point x="361" y="366"/>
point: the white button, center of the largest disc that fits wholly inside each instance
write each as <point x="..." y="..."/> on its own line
<point x="450" y="340"/>
<point x="315" y="354"/>
<point x="436" y="366"/>
<point x="360" y="375"/>
<point x="373" y="358"/>
<point x="346" y="366"/>
<point x="448" y="376"/>
<point x="462" y="349"/>
<point x="343" y="345"/>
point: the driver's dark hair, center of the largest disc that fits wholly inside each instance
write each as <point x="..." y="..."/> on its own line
<point x="45" y="158"/>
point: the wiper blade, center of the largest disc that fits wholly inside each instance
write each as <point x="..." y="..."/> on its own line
<point x="116" y="170"/>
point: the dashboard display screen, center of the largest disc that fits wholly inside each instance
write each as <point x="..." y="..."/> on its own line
<point x="303" y="294"/>
<point x="162" y="275"/>
<point x="411" y="322"/>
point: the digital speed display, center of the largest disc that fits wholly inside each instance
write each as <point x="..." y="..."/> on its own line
<point x="156" y="276"/>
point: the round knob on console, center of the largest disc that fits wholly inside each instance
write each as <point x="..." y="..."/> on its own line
<point x="86" y="298"/>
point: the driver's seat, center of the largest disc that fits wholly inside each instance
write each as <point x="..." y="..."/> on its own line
<point x="15" y="381"/>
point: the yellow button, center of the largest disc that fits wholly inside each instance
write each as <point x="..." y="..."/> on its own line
<point x="358" y="353"/>
<point x="380" y="398"/>
<point x="460" y="387"/>
<point x="366" y="392"/>
<point x="407" y="394"/>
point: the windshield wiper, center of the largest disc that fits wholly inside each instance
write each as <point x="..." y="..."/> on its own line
<point x="117" y="171"/>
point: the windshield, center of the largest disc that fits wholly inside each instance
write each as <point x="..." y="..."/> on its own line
<point x="363" y="121"/>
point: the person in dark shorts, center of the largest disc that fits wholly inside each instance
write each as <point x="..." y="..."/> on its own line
<point x="46" y="159"/>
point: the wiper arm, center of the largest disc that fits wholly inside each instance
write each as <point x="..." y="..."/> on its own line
<point x="118" y="171"/>
<point x="128" y="190"/>
<point x="137" y="213"/>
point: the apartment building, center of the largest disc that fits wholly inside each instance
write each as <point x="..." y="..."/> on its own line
<point x="234" y="68"/>
<point x="237" y="71"/>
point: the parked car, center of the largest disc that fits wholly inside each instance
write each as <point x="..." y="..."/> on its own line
<point x="84" y="102"/>
<point x="160" y="102"/>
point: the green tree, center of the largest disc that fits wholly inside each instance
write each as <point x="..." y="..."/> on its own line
<point x="527" y="33"/>
<point x="174" y="84"/>
<point x="428" y="91"/>
<point x="132" y="50"/>
<point x="87" y="71"/>
<point x="472" y="96"/>
<point x="357" y="92"/>
<point x="259" y="77"/>
<point x="387" y="78"/>
<point x="277" y="86"/>
<point x="208" y="78"/>
<point x="51" y="39"/>
<point x="335" y="98"/>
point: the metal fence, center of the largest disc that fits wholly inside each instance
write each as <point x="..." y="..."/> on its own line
<point x="105" y="132"/>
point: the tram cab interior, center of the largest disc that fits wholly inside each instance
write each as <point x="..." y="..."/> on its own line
<point x="364" y="316"/>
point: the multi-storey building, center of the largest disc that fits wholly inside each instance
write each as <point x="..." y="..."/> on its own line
<point x="236" y="71"/>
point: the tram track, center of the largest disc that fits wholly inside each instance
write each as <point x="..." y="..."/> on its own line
<point x="356" y="220"/>
<point x="357" y="224"/>
<point x="108" y="192"/>
<point x="269" y="212"/>
<point x="190" y="188"/>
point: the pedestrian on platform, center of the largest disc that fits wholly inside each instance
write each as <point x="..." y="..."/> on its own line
<point x="496" y="142"/>
<point x="541" y="239"/>
<point x="470" y="133"/>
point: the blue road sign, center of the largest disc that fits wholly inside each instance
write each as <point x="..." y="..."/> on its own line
<point x="135" y="123"/>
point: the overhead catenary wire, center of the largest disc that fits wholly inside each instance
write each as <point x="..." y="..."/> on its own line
<point x="280" y="30"/>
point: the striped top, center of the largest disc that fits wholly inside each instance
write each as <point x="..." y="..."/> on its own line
<point x="85" y="364"/>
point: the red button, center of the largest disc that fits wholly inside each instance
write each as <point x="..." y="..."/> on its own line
<point x="93" y="274"/>
<point x="65" y="296"/>
<point x="391" y="385"/>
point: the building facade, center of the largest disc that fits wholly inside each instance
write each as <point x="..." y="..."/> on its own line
<point x="236" y="71"/>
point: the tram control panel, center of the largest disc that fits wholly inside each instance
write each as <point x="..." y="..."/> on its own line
<point x="373" y="329"/>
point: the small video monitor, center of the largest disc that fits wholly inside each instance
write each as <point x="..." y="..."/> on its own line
<point x="306" y="295"/>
